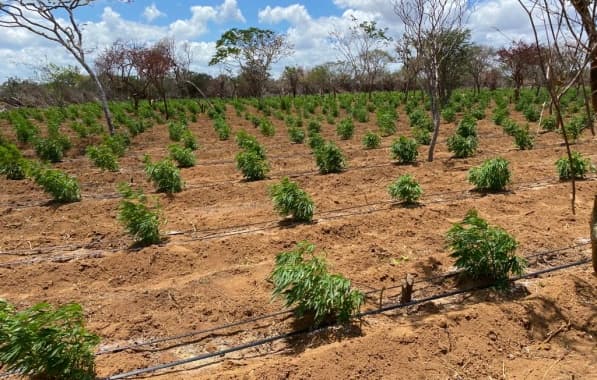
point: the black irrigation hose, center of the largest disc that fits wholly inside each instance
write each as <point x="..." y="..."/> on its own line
<point x="105" y="196"/>
<point x="216" y="233"/>
<point x="383" y="309"/>
<point x="285" y="312"/>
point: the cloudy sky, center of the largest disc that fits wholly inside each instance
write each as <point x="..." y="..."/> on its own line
<point x="307" y="24"/>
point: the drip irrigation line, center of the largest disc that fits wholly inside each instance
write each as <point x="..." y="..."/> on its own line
<point x="372" y="290"/>
<point x="113" y="195"/>
<point x="288" y="335"/>
<point x="217" y="233"/>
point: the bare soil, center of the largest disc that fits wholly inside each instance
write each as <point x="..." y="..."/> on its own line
<point x="223" y="235"/>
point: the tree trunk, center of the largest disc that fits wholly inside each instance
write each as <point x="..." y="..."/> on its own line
<point x="102" y="94"/>
<point x="165" y="105"/>
<point x="594" y="234"/>
<point x="435" y="113"/>
<point x="593" y="75"/>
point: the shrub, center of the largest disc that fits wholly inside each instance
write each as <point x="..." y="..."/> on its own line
<point x="140" y="221"/>
<point x="345" y="129"/>
<point x="302" y="279"/>
<point x="500" y="115"/>
<point x="574" y="128"/>
<point x="249" y="142"/>
<point x="404" y="150"/>
<point x="492" y="175"/>
<point x="483" y="251"/>
<point x="314" y="126"/>
<point x="297" y="135"/>
<point x="531" y="113"/>
<point x="361" y="114"/>
<point x="449" y="115"/>
<point x="164" y="174"/>
<point x="176" y="130"/>
<point x="467" y="127"/>
<point x="12" y="163"/>
<point x="462" y="147"/>
<point x="422" y="136"/>
<point x="406" y="189"/>
<point x="266" y="127"/>
<point x="316" y="141"/>
<point x="222" y="128"/>
<point x="523" y="139"/>
<point x="289" y="199"/>
<point x="253" y="166"/>
<point x="49" y="149"/>
<point x="580" y="164"/>
<point x="386" y="122"/>
<point x="549" y="123"/>
<point x="329" y="158"/>
<point x="478" y="113"/>
<point x="183" y="156"/>
<point x="371" y="140"/>
<point x="61" y="186"/>
<point x="189" y="140"/>
<point x="103" y="157"/>
<point x="420" y="119"/>
<point x="118" y="143"/>
<point x="44" y="342"/>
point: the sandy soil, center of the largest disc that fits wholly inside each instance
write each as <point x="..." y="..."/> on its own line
<point x="223" y="235"/>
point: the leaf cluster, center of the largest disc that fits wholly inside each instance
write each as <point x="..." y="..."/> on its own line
<point x="164" y="174"/>
<point x="302" y="279"/>
<point x="406" y="188"/>
<point x="404" y="150"/>
<point x="492" y="175"/>
<point x="140" y="221"/>
<point x="289" y="199"/>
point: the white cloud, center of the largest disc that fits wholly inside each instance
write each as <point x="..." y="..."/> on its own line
<point x="152" y="12"/>
<point x="296" y="14"/>
<point x="229" y="11"/>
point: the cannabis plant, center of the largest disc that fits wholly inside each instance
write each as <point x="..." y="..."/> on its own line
<point x="62" y="187"/>
<point x="289" y="199"/>
<point x="164" y="174"/>
<point x="140" y="221"/>
<point x="302" y="279"/>
<point x="329" y="158"/>
<point x="404" y="150"/>
<point x="252" y="164"/>
<point x="183" y="156"/>
<point x="483" y="251"/>
<point x="44" y="342"/>
<point x="580" y="164"/>
<point x="371" y="140"/>
<point x="345" y="129"/>
<point x="492" y="175"/>
<point x="406" y="189"/>
<point x="103" y="157"/>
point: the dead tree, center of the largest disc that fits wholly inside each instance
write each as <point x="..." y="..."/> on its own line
<point x="46" y="19"/>
<point x="559" y="30"/>
<point x="426" y="25"/>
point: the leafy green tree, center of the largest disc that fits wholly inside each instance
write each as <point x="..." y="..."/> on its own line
<point x="253" y="51"/>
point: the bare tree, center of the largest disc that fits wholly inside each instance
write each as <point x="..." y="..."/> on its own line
<point x="43" y="18"/>
<point x="559" y="30"/>
<point x="426" y="23"/>
<point x="293" y="75"/>
<point x="362" y="48"/>
<point x="480" y="58"/>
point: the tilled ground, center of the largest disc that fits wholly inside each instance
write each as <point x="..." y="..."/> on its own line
<point x="223" y="235"/>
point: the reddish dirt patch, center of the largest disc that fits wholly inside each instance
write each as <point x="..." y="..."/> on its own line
<point x="215" y="271"/>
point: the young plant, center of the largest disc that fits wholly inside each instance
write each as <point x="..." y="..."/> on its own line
<point x="266" y="127"/>
<point x="386" y="122"/>
<point x="183" y="156"/>
<point x="249" y="142"/>
<point x="140" y="221"/>
<point x="253" y="165"/>
<point x="549" y="123"/>
<point x="316" y="141"/>
<point x="189" y="140"/>
<point x="103" y="157"/>
<point x="62" y="187"/>
<point x="296" y="134"/>
<point x="289" y="199"/>
<point x="44" y="342"/>
<point x="176" y="130"/>
<point x="118" y="143"/>
<point x="302" y="279"/>
<point x="462" y="147"/>
<point x="449" y="115"/>
<point x="406" y="189"/>
<point x="49" y="149"/>
<point x="523" y="138"/>
<point x="404" y="150"/>
<point x="164" y="174"/>
<point x="329" y="158"/>
<point x="580" y="164"/>
<point x="345" y="129"/>
<point x="422" y="136"/>
<point x="492" y="175"/>
<point x="12" y="163"/>
<point x="483" y="251"/>
<point x="371" y="140"/>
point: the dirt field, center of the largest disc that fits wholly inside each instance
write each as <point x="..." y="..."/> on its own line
<point x="223" y="235"/>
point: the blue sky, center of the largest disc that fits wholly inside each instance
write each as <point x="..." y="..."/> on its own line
<point x="306" y="23"/>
